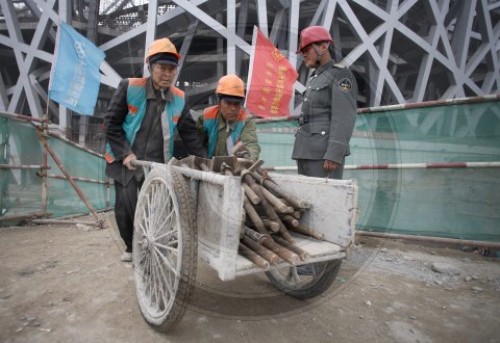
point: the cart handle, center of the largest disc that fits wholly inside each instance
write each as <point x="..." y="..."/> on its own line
<point x="146" y="165"/>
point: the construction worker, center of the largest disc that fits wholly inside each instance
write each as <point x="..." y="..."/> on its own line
<point x="142" y="118"/>
<point x="224" y="125"/>
<point x="328" y="109"/>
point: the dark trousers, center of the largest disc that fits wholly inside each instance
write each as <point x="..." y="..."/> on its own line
<point x="315" y="168"/>
<point x="125" y="201"/>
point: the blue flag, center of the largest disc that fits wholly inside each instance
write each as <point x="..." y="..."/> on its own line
<point x="74" y="76"/>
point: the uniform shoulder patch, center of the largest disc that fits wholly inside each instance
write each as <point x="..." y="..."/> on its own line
<point x="345" y="85"/>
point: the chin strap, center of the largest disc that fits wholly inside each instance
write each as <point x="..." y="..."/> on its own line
<point x="319" y="54"/>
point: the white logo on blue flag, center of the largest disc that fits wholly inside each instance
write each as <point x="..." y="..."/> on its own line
<point x="75" y="76"/>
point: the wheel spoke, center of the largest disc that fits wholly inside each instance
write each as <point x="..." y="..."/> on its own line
<point x="148" y="217"/>
<point x="159" y="282"/>
<point x="142" y="226"/>
<point x="141" y="220"/>
<point x="154" y="208"/>
<point x="168" y="247"/>
<point x="160" y="209"/>
<point x="167" y="281"/>
<point x="165" y="235"/>
<point x="148" y="277"/>
<point x="168" y="262"/>
<point x="170" y="210"/>
<point x="166" y="222"/>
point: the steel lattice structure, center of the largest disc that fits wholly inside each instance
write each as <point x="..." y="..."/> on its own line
<point x="401" y="50"/>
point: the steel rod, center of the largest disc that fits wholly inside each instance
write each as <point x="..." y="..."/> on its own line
<point x="82" y="179"/>
<point x="67" y="175"/>
<point x="24" y="216"/>
<point x="307" y="231"/>
<point x="282" y="252"/>
<point x="254" y="198"/>
<point x="62" y="221"/>
<point x="23" y="166"/>
<point x="430" y="239"/>
<point x="424" y="165"/>
<point x="290" y="198"/>
<point x="261" y="250"/>
<point x="254" y="216"/>
<point x="253" y="256"/>
<point x="304" y="255"/>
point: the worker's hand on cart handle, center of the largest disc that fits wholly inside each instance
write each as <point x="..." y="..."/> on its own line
<point x="243" y="154"/>
<point x="128" y="159"/>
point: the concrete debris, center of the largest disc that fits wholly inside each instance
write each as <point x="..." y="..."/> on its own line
<point x="448" y="273"/>
<point x="445" y="268"/>
<point x="29" y="321"/>
<point x="84" y="227"/>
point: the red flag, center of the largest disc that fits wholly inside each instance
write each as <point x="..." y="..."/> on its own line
<point x="271" y="79"/>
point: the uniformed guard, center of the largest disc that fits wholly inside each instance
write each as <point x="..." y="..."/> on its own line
<point x="328" y="109"/>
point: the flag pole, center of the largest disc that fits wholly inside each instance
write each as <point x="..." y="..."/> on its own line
<point x="44" y="165"/>
<point x="43" y="133"/>
<point x="252" y="55"/>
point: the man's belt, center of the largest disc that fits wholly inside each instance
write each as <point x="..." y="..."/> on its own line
<point x="307" y="118"/>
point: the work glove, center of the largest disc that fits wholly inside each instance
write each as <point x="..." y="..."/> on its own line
<point x="243" y="154"/>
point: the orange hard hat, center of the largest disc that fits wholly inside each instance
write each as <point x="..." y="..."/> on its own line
<point x="231" y="85"/>
<point x="162" y="46"/>
<point x="313" y="34"/>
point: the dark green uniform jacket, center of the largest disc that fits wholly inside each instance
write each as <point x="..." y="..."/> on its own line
<point x="328" y="115"/>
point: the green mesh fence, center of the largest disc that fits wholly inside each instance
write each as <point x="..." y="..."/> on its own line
<point x="21" y="184"/>
<point x="446" y="202"/>
<point x="4" y="138"/>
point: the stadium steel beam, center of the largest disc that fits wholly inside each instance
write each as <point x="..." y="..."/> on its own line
<point x="262" y="16"/>
<point x="186" y="44"/>
<point x="401" y="50"/>
<point x="3" y="95"/>
<point x="151" y="29"/>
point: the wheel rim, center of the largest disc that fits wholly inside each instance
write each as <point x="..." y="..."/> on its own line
<point x="157" y="249"/>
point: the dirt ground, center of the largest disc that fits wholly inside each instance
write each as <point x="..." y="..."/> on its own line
<point x="66" y="284"/>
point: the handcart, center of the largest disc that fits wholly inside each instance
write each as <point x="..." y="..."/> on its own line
<point x="184" y="213"/>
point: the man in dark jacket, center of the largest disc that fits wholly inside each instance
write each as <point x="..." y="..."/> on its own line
<point x="328" y="111"/>
<point x="142" y="119"/>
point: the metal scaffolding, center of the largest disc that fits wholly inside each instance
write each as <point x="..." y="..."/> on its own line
<point x="401" y="50"/>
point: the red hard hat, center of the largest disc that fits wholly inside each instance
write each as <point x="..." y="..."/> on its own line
<point x="313" y="34"/>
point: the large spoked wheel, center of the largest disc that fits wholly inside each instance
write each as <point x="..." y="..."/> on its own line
<point x="164" y="248"/>
<point x="307" y="281"/>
